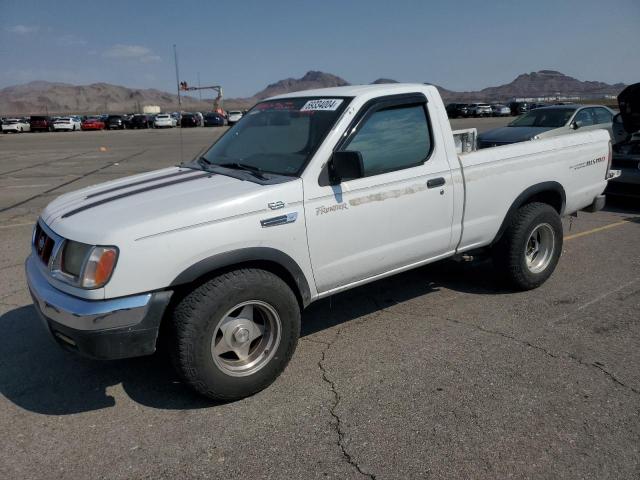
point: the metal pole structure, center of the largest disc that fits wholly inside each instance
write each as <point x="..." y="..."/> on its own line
<point x="199" y="91"/>
<point x="175" y="60"/>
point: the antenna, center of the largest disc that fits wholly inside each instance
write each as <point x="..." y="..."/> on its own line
<point x="175" y="61"/>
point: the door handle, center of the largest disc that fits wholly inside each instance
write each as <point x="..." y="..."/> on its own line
<point x="435" y="182"/>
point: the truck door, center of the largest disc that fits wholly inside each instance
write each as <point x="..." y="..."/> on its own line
<point x="399" y="213"/>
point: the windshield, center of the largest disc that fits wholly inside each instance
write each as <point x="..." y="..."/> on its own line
<point x="278" y="136"/>
<point x="544" y="117"/>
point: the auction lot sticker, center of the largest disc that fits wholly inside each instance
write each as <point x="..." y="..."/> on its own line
<point x="328" y="104"/>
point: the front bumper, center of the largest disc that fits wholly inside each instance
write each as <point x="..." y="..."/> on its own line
<point x="105" y="329"/>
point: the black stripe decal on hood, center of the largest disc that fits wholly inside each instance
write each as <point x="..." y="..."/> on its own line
<point x="134" y="192"/>
<point x="135" y="184"/>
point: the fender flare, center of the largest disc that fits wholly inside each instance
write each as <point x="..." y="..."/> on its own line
<point x="532" y="191"/>
<point x="242" y="256"/>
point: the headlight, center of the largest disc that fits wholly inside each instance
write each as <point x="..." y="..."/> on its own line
<point x="83" y="265"/>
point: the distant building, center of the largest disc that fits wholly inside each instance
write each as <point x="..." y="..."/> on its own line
<point x="151" y="109"/>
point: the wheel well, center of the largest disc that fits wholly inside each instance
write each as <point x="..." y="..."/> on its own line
<point x="183" y="289"/>
<point x="551" y="193"/>
<point x="267" y="265"/>
<point x="550" y="197"/>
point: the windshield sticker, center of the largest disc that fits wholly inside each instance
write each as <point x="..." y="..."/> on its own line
<point x="326" y="104"/>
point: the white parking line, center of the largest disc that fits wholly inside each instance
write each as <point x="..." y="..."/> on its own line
<point x="29" y="186"/>
<point x="15" y="225"/>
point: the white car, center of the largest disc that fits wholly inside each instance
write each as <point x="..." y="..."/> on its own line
<point x="15" y="125"/>
<point x="164" y="120"/>
<point x="500" y="111"/>
<point x="480" y="110"/>
<point x="314" y="193"/>
<point x="70" y="124"/>
<point x="234" y="116"/>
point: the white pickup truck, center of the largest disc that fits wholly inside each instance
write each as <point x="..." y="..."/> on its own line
<point x="309" y="194"/>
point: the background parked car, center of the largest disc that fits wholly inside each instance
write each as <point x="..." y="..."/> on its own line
<point x="548" y="122"/>
<point x="455" y="110"/>
<point x="92" y="123"/>
<point x="234" y="116"/>
<point x="41" y="123"/>
<point x="141" y="121"/>
<point x="518" y="108"/>
<point x="70" y="124"/>
<point x="480" y="110"/>
<point x="164" y="120"/>
<point x="189" y="120"/>
<point x="626" y="148"/>
<point x="213" y="119"/>
<point x="115" y="122"/>
<point x="500" y="110"/>
<point x="15" y="125"/>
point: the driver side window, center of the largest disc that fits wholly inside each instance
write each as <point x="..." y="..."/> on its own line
<point x="393" y="139"/>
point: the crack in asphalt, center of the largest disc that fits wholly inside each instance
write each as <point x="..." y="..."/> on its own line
<point x="600" y="367"/>
<point x="567" y="355"/>
<point x="336" y="401"/>
<point x="502" y="334"/>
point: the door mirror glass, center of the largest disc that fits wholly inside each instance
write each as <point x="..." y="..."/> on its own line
<point x="345" y="165"/>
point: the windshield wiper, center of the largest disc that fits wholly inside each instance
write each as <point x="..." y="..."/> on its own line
<point x="257" y="172"/>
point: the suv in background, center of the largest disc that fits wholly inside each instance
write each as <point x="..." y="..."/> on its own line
<point x="455" y="110"/>
<point x="140" y="121"/>
<point x="115" y="121"/>
<point x="41" y="123"/>
<point x="189" y="120"/>
<point x="518" y="108"/>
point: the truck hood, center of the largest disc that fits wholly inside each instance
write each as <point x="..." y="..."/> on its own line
<point x="511" y="134"/>
<point x="158" y="202"/>
<point x="629" y="103"/>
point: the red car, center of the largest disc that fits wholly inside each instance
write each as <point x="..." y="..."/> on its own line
<point x="92" y="123"/>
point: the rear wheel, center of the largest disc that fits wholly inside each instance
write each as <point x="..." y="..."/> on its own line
<point x="531" y="246"/>
<point x="235" y="334"/>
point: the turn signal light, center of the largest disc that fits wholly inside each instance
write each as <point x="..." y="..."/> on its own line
<point x="99" y="267"/>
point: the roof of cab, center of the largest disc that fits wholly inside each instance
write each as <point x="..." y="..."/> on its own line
<point x="356" y="90"/>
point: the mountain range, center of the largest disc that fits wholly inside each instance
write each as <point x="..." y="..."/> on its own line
<point x="59" y="98"/>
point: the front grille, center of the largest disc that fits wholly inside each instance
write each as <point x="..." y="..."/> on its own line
<point x="43" y="244"/>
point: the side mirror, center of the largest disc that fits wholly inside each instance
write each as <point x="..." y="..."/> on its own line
<point x="345" y="165"/>
<point x="576" y="124"/>
<point x="617" y="118"/>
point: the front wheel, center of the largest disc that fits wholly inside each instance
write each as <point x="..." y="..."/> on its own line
<point x="530" y="248"/>
<point x="233" y="335"/>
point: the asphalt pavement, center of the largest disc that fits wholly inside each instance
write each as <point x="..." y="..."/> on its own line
<point x="440" y="372"/>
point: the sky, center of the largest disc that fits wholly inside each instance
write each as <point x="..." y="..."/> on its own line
<point x="245" y="45"/>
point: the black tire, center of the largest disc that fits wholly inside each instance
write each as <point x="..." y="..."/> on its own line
<point x="195" y="322"/>
<point x="509" y="254"/>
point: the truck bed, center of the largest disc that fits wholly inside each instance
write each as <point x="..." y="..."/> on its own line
<point x="494" y="177"/>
